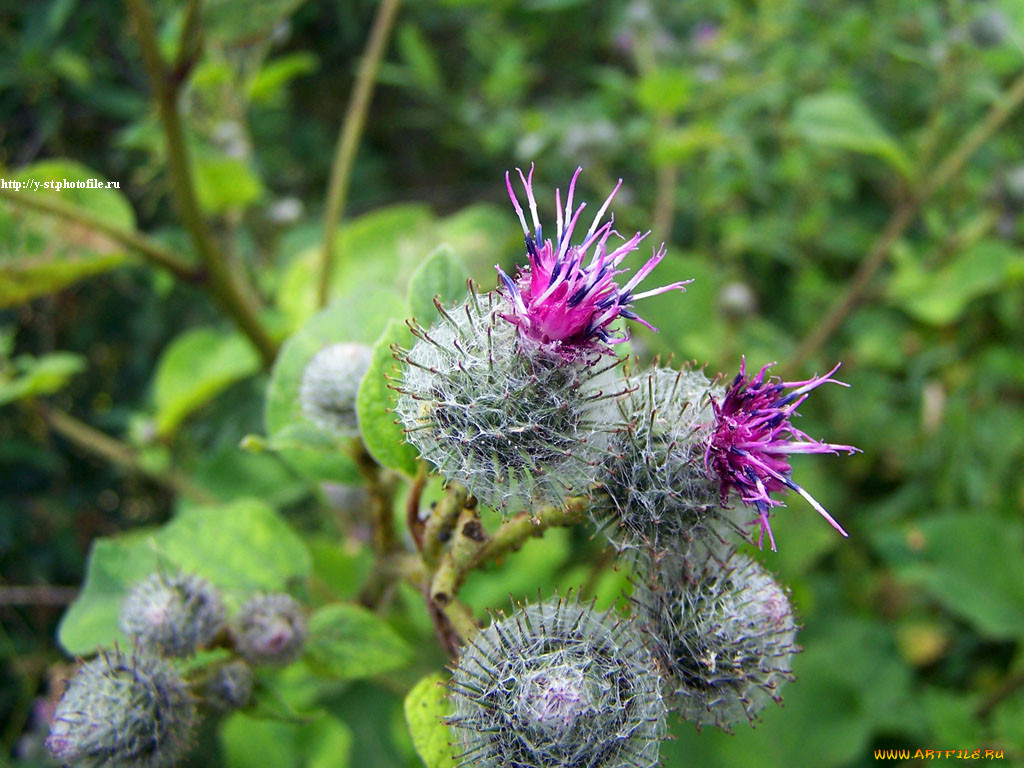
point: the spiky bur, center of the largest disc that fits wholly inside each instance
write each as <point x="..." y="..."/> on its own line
<point x="270" y="629"/>
<point x="562" y="300"/>
<point x="134" y="712"/>
<point x="230" y="687"/>
<point x="330" y="383"/>
<point x="657" y="494"/>
<point x="753" y="437"/>
<point x="172" y="613"/>
<point x="722" y="634"/>
<point x="557" y="684"/>
<point x="509" y="419"/>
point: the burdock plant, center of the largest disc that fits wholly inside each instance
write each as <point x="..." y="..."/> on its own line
<point x="519" y="401"/>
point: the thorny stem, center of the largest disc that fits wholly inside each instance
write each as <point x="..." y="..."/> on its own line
<point x="223" y="285"/>
<point x="954" y="162"/>
<point x="348" y="138"/>
<point x="140" y="244"/>
<point x="113" y="450"/>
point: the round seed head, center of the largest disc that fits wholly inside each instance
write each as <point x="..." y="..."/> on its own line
<point x="511" y="420"/>
<point x="133" y="711"/>
<point x="270" y="629"/>
<point x="658" y="494"/>
<point x="172" y="614"/>
<point x="330" y="384"/>
<point x="557" y="684"/>
<point x="722" y="635"/>
<point x="230" y="687"/>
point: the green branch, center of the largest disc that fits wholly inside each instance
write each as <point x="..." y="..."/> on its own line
<point x="145" y="247"/>
<point x="348" y="138"/>
<point x="222" y="284"/>
<point x="471" y="546"/>
<point x="114" y="451"/>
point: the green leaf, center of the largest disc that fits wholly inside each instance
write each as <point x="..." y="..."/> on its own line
<point x="226" y="183"/>
<point x="381" y="248"/>
<point x="39" y="375"/>
<point x="241" y="548"/>
<point x="969" y="563"/>
<point x="357" y="318"/>
<point x="196" y="367"/>
<point x="384" y="439"/>
<point x="425" y="708"/>
<point x="441" y="275"/>
<point x="483" y="235"/>
<point x="665" y="91"/>
<point x="41" y="254"/>
<point x="940" y="297"/>
<point x="240" y="22"/>
<point x="420" y="58"/>
<point x="349" y="642"/>
<point x="250" y="742"/>
<point x="269" y="84"/>
<point x="840" y="120"/>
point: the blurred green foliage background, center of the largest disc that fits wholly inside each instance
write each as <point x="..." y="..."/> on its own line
<point x="845" y="181"/>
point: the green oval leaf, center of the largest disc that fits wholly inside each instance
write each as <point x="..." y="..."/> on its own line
<point x="241" y="548"/>
<point x="196" y="367"/>
<point x="942" y="556"/>
<point x="349" y="642"/>
<point x="841" y="120"/>
<point x="250" y="742"/>
<point x="384" y="439"/>
<point x="442" y="275"/>
<point x="426" y="706"/>
<point x="42" y="254"/>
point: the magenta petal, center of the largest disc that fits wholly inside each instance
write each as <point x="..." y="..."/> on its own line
<point x="557" y="300"/>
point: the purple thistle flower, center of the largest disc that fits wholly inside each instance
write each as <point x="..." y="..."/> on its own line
<point x="753" y="438"/>
<point x="560" y="301"/>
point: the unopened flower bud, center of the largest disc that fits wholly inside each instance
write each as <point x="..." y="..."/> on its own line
<point x="989" y="28"/>
<point x="230" y="687"/>
<point x="657" y="492"/>
<point x="134" y="712"/>
<point x="172" y="614"/>
<point x="270" y="629"/>
<point x="557" y="684"/>
<point x="736" y="299"/>
<point x="722" y="634"/>
<point x="330" y="384"/>
<point x="512" y="420"/>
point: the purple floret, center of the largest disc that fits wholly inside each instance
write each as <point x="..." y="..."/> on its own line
<point x="560" y="301"/>
<point x="753" y="438"/>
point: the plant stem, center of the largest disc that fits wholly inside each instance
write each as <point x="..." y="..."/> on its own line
<point x="348" y="138"/>
<point x="222" y="284"/>
<point x="110" y="449"/>
<point x="471" y="545"/>
<point x="145" y="247"/>
<point x="461" y="619"/>
<point x="514" y="533"/>
<point x="954" y="162"/>
<point x="438" y="528"/>
<point x="381" y="490"/>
